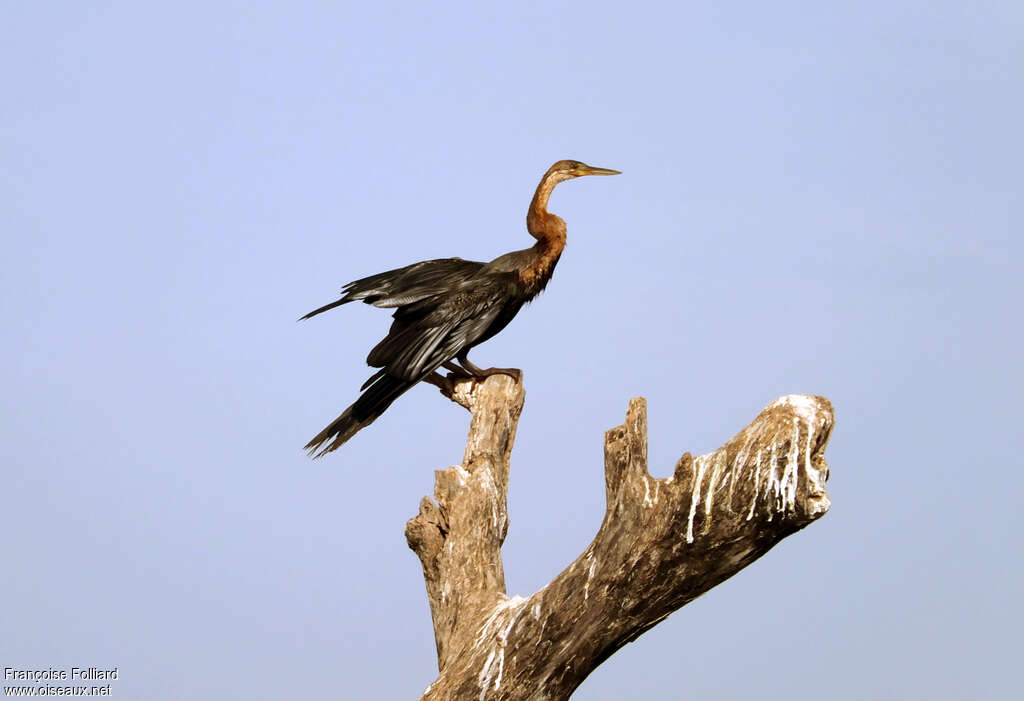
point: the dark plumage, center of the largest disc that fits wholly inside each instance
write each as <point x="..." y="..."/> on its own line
<point x="444" y="308"/>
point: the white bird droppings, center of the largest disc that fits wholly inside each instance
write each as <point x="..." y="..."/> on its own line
<point x="494" y="667"/>
<point x="805" y="404"/>
<point x="698" y="475"/>
<point x="590" y="576"/>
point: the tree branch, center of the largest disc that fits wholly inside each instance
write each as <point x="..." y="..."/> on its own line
<point x="459" y="538"/>
<point x="663" y="542"/>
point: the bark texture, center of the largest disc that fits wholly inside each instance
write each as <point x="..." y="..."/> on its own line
<point x="663" y="542"/>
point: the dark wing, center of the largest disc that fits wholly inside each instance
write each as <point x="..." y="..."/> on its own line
<point x="444" y="307"/>
<point x="432" y="330"/>
<point x="406" y="285"/>
<point x="424" y="335"/>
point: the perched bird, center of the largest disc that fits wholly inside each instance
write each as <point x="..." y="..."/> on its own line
<point x="445" y="307"/>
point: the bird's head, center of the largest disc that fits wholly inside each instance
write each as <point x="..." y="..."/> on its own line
<point x="568" y="169"/>
<point x="539" y="221"/>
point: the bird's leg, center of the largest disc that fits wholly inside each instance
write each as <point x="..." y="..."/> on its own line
<point x="479" y="373"/>
<point x="459" y="373"/>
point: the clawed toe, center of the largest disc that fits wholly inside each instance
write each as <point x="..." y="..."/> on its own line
<point x="515" y="373"/>
<point x="468" y="371"/>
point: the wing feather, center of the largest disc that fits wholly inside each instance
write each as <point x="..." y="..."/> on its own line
<point x="412" y="283"/>
<point x="430" y="331"/>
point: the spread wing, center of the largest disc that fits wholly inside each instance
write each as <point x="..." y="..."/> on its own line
<point x="401" y="286"/>
<point x="412" y="283"/>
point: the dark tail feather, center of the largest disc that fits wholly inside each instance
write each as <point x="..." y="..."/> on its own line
<point x="332" y="305"/>
<point x="371" y="404"/>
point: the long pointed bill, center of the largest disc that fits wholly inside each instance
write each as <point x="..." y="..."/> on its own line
<point x="591" y="170"/>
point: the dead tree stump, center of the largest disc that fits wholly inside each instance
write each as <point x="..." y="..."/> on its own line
<point x="663" y="542"/>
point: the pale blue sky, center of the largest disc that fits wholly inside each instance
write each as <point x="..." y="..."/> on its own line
<point x="816" y="197"/>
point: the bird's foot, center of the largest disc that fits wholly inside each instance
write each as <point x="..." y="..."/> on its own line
<point x="515" y="373"/>
<point x="479" y="373"/>
<point x="460" y="374"/>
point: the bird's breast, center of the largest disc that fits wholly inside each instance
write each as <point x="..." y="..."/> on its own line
<point x="535" y="276"/>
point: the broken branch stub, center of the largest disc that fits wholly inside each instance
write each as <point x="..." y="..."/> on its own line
<point x="662" y="543"/>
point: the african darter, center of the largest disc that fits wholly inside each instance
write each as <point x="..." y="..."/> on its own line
<point x="445" y="307"/>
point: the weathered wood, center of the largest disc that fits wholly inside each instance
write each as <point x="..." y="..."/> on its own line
<point x="663" y="542"/>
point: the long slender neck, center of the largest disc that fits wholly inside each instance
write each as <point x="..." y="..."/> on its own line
<point x="549" y="230"/>
<point x="544" y="226"/>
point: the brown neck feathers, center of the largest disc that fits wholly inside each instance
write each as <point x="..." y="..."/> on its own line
<point x="548" y="229"/>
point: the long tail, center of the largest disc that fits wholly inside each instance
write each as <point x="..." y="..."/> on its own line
<point x="372" y="403"/>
